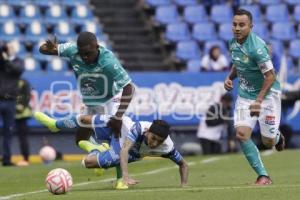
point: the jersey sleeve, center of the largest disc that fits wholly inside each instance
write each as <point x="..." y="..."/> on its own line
<point x="66" y="49"/>
<point x="175" y="156"/>
<point x="263" y="60"/>
<point x="115" y="71"/>
<point x="135" y="132"/>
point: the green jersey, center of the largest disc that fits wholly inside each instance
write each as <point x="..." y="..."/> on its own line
<point x="251" y="60"/>
<point x="97" y="82"/>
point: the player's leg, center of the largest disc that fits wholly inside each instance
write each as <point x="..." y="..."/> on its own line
<point x="269" y="122"/>
<point x="72" y="122"/>
<point x="244" y="125"/>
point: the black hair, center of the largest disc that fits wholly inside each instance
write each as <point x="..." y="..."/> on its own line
<point x="212" y="49"/>
<point x="244" y="12"/>
<point x="86" y="38"/>
<point x="160" y="128"/>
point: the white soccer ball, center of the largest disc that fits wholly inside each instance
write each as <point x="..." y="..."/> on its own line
<point x="59" y="181"/>
<point x="48" y="154"/>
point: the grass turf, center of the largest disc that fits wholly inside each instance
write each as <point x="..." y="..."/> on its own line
<point x="221" y="177"/>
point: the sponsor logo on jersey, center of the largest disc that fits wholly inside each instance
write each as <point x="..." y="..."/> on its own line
<point x="270" y="120"/>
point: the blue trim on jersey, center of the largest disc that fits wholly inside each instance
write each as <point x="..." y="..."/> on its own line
<point x="102" y="132"/>
<point x="135" y="132"/>
<point x="174" y="155"/>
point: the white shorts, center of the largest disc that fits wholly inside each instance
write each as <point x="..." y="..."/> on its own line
<point x="108" y="108"/>
<point x="268" y="119"/>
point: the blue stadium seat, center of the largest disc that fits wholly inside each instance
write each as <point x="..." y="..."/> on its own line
<point x="18" y="3"/>
<point x="80" y="14"/>
<point x="225" y="31"/>
<point x="64" y="31"/>
<point x="277" y="47"/>
<point x="294" y="48"/>
<point x="193" y="65"/>
<point x="187" y="50"/>
<point x="277" y="13"/>
<point x="19" y="48"/>
<point x="297" y="13"/>
<point x="55" y="13"/>
<point x="292" y="2"/>
<point x="9" y="31"/>
<point x="45" y="3"/>
<point x="269" y="2"/>
<point x="155" y="3"/>
<point x="186" y="2"/>
<point x="57" y="64"/>
<point x="195" y="14"/>
<point x="177" y="32"/>
<point x="221" y="13"/>
<point x="298" y="30"/>
<point x="204" y="31"/>
<point x="29" y="13"/>
<point x="35" y="32"/>
<point x="255" y="11"/>
<point x="261" y="30"/>
<point x="6" y="13"/>
<point x="31" y="64"/>
<point x="93" y="27"/>
<point x="220" y="43"/>
<point x="166" y="14"/>
<point x="283" y="31"/>
<point x="73" y="3"/>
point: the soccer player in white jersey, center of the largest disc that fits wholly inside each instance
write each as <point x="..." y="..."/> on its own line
<point x="259" y="95"/>
<point x="138" y="139"/>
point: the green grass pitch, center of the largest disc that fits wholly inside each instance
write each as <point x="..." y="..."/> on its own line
<point x="226" y="177"/>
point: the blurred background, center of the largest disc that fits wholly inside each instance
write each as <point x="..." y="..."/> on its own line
<point x="174" y="50"/>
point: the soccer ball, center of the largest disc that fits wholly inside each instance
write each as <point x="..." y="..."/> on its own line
<point x="48" y="154"/>
<point x="59" y="181"/>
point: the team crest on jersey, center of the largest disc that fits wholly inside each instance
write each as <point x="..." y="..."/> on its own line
<point x="270" y="120"/>
<point x="76" y="67"/>
<point x="245" y="59"/>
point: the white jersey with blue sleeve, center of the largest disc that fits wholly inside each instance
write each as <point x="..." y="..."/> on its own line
<point x="141" y="149"/>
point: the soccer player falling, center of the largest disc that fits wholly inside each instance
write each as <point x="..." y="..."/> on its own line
<point x="259" y="95"/>
<point x="138" y="139"/>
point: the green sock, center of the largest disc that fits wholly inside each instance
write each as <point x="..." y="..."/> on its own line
<point x="252" y="154"/>
<point x="119" y="172"/>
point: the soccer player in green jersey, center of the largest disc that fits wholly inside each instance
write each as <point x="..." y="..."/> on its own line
<point x="259" y="95"/>
<point x="105" y="86"/>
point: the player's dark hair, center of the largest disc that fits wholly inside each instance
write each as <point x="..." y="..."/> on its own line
<point x="160" y="128"/>
<point x="244" y="12"/>
<point x="86" y="38"/>
<point x="227" y="97"/>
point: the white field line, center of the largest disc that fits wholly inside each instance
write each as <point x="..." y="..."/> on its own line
<point x="205" y="161"/>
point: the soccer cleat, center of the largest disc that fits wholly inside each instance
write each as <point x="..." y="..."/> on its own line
<point x="281" y="143"/>
<point x="46" y="120"/>
<point x="88" y="146"/>
<point x="120" y="185"/>
<point x="99" y="171"/>
<point x="263" y="180"/>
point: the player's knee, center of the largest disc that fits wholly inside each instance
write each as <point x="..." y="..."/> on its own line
<point x="89" y="162"/>
<point x="241" y="136"/>
<point x="268" y="142"/>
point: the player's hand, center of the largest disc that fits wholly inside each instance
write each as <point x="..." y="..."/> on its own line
<point x="228" y="85"/>
<point x="51" y="44"/>
<point x="130" y="181"/>
<point x="115" y="123"/>
<point x="255" y="108"/>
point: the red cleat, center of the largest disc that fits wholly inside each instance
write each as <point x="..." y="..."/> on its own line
<point x="263" y="180"/>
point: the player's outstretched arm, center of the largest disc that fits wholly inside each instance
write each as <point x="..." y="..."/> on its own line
<point x="124" y="163"/>
<point x="184" y="172"/>
<point x="49" y="47"/>
<point x="228" y="85"/>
